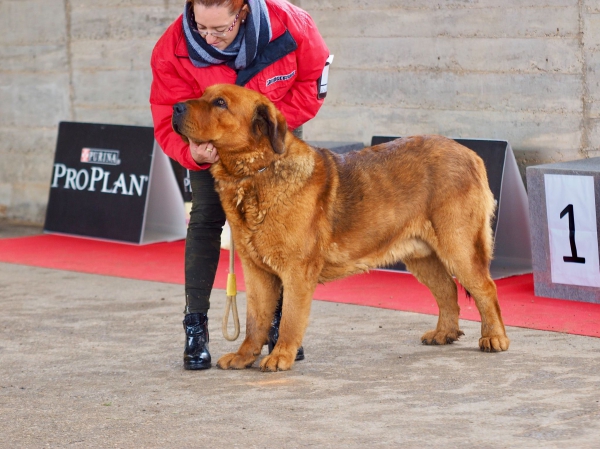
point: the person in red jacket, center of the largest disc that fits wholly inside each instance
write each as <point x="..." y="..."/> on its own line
<point x="269" y="46"/>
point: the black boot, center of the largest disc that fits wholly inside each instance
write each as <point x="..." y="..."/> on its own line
<point x="274" y="332"/>
<point x="195" y="354"/>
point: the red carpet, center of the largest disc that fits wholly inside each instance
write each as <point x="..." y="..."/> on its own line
<point x="163" y="262"/>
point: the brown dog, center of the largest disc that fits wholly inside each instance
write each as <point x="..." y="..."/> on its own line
<point x="301" y="216"/>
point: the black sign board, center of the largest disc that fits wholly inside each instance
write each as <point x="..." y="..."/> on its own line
<point x="182" y="175"/>
<point x="512" y="251"/>
<point x="111" y="182"/>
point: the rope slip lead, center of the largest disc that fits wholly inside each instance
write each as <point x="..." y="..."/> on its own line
<point x="231" y="303"/>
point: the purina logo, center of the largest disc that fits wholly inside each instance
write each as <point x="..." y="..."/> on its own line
<point x="100" y="156"/>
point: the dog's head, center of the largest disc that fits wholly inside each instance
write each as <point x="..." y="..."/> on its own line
<point x="234" y="119"/>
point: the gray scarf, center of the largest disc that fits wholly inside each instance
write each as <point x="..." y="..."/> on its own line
<point x="252" y="38"/>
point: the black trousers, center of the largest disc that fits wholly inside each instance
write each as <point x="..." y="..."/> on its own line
<point x="203" y="242"/>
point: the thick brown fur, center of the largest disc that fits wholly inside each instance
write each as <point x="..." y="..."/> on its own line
<point x="302" y="216"/>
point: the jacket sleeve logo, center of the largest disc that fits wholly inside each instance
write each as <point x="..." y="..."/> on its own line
<point x="278" y="78"/>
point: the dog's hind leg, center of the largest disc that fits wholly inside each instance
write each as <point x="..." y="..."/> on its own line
<point x="470" y="265"/>
<point x="478" y="282"/>
<point x="262" y="294"/>
<point x="431" y="272"/>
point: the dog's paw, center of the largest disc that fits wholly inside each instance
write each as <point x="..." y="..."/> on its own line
<point x="277" y="362"/>
<point x="235" y="361"/>
<point x="437" y="337"/>
<point x="496" y="343"/>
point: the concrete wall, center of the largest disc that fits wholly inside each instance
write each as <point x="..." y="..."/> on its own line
<point x="75" y="60"/>
<point x="527" y="71"/>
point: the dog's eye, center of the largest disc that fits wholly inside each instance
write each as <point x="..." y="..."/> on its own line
<point x="219" y="102"/>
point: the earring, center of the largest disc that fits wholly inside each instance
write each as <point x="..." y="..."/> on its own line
<point x="243" y="20"/>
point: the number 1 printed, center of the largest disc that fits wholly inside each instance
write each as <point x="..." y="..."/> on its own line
<point x="573" y="257"/>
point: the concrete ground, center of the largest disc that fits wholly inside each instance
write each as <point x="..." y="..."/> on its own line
<point x="91" y="361"/>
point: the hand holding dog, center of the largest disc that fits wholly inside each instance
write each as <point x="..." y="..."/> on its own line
<point x="205" y="153"/>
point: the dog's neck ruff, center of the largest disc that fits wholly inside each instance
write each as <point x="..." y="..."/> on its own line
<point x="245" y="166"/>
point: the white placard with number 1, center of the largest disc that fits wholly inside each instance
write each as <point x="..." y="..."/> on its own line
<point x="571" y="206"/>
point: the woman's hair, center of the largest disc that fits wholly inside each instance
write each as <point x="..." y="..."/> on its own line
<point x="234" y="5"/>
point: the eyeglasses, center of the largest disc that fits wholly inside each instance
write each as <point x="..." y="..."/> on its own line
<point x="215" y="33"/>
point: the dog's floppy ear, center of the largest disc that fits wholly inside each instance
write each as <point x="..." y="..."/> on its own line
<point x="268" y="121"/>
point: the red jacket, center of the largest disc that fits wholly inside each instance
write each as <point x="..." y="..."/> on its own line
<point x="293" y="67"/>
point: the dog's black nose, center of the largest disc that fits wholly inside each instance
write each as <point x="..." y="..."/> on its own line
<point x="179" y="108"/>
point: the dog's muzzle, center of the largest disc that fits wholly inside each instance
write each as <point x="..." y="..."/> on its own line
<point x="179" y="113"/>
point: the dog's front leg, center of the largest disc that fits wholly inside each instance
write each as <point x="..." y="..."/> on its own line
<point x="262" y="293"/>
<point x="297" y="298"/>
